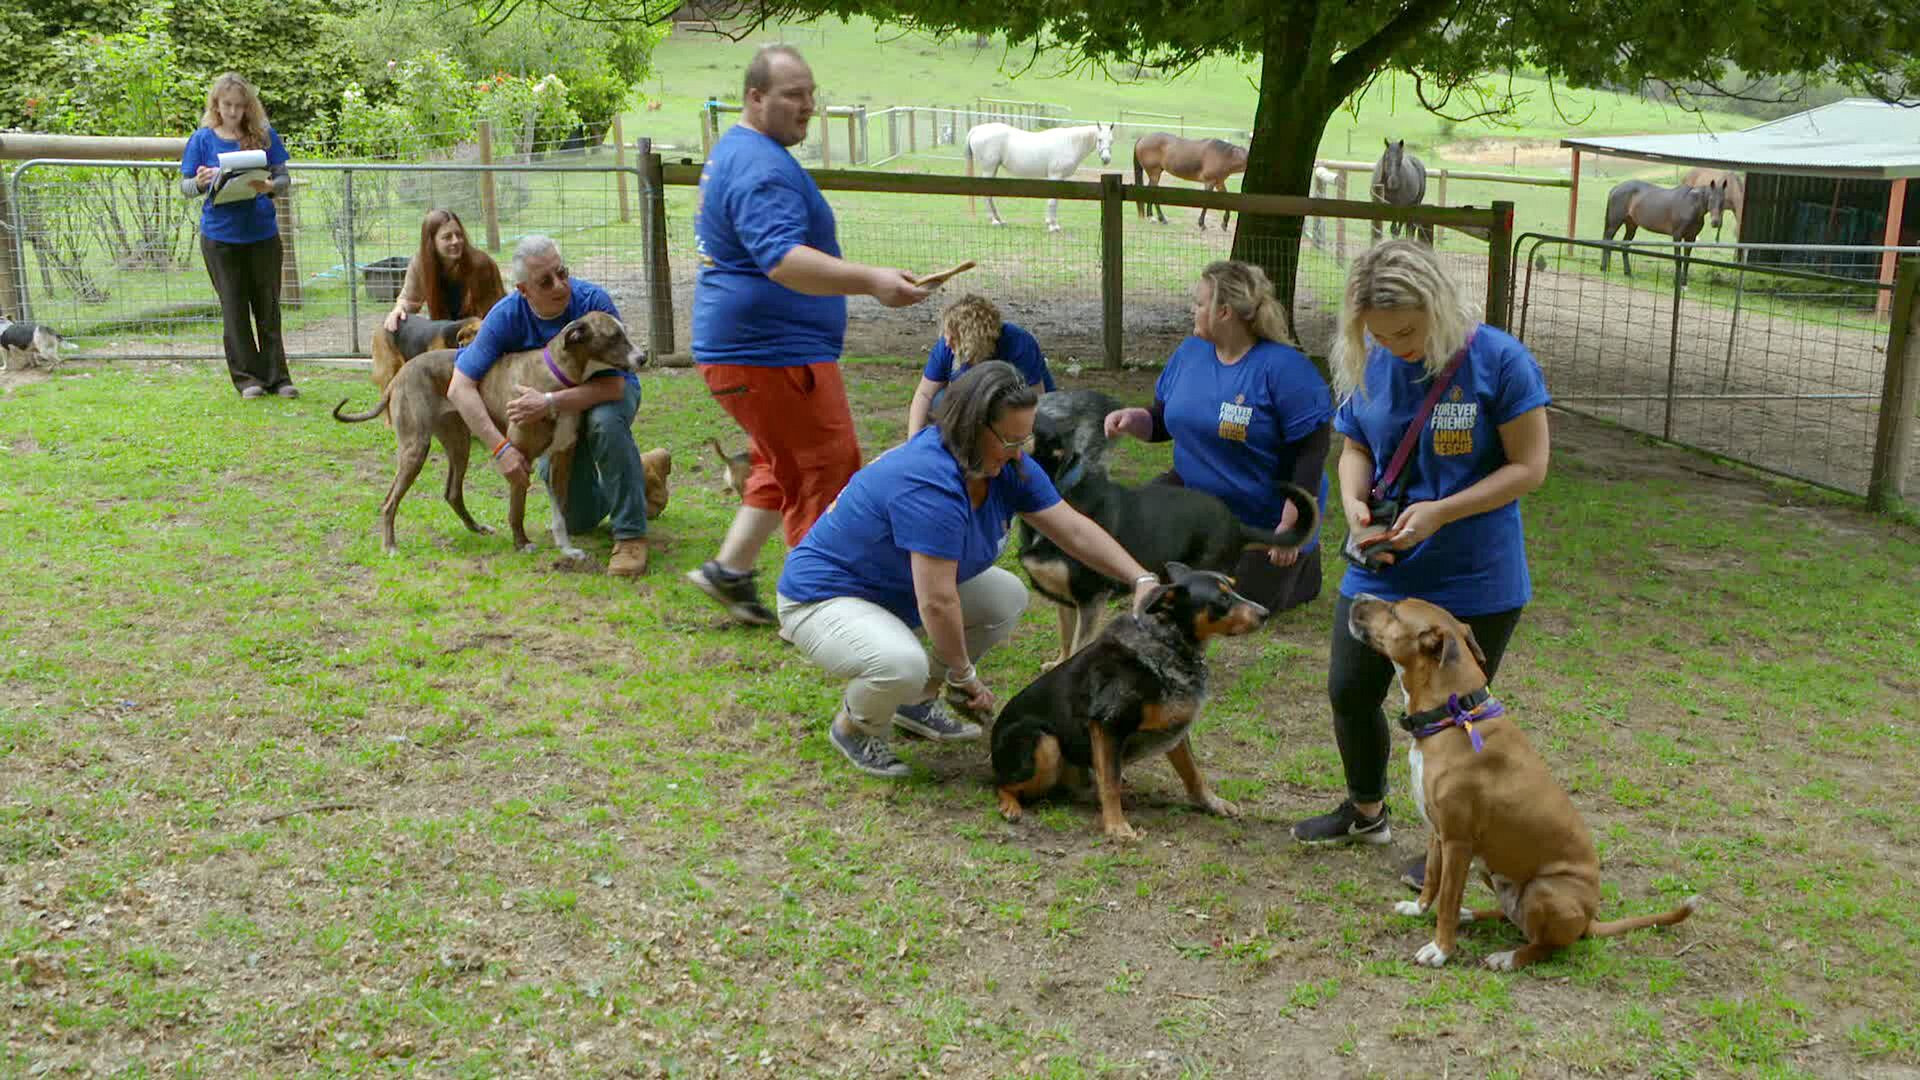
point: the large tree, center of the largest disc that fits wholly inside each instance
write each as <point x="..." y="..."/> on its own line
<point x="1315" y="54"/>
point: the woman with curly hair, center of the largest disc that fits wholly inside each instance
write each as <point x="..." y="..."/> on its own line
<point x="240" y="239"/>
<point x="971" y="332"/>
<point x="448" y="276"/>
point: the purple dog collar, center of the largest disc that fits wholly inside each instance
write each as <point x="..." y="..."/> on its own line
<point x="1475" y="708"/>
<point x="547" y="354"/>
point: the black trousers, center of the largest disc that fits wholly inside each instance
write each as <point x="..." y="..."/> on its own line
<point x="1358" y="679"/>
<point x="246" y="277"/>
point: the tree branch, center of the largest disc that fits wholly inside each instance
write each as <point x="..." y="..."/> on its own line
<point x="1352" y="69"/>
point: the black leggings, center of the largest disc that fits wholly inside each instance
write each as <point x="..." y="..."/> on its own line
<point x="1358" y="679"/>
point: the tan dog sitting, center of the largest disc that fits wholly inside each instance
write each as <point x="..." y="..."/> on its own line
<point x="417" y="399"/>
<point x="1485" y="794"/>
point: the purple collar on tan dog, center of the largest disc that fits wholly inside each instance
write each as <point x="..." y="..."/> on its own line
<point x="1459" y="711"/>
<point x="546" y="353"/>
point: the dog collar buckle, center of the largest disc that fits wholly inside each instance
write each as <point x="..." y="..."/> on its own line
<point x="546" y="353"/>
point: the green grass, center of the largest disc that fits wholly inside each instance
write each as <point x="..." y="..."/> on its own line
<point x="590" y="828"/>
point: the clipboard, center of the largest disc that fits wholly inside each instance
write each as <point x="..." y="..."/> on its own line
<point x="238" y="170"/>
<point x="930" y="280"/>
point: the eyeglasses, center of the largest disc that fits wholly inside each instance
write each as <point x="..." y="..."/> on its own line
<point x="549" y="280"/>
<point x="1012" y="446"/>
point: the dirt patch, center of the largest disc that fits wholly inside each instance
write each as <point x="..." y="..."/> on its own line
<point x="1514" y="153"/>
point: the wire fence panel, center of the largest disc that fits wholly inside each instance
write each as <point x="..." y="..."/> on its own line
<point x="113" y="260"/>
<point x="1776" y="369"/>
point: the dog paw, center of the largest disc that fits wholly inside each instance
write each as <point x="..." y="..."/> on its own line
<point x="1500" y="961"/>
<point x="1431" y="955"/>
<point x="1049" y="665"/>
<point x="1216" y="805"/>
<point x="483" y="530"/>
<point x="1409" y="907"/>
<point x="1122" y="831"/>
<point x="527" y="548"/>
<point x="572" y="553"/>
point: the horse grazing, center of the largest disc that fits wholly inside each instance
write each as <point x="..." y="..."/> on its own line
<point x="1679" y="212"/>
<point x="1725" y="192"/>
<point x="1053" y="154"/>
<point x="1210" y="161"/>
<point x="1400" y="179"/>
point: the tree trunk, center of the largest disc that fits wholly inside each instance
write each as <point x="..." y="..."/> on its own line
<point x="1295" y="105"/>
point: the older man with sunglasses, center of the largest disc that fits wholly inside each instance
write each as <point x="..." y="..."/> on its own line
<point x="608" y="482"/>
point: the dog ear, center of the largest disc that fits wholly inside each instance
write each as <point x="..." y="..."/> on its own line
<point x="1473" y="644"/>
<point x="1176" y="571"/>
<point x="1433" y="642"/>
<point x="576" y="332"/>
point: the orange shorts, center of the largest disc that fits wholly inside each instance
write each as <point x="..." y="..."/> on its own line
<point x="803" y="445"/>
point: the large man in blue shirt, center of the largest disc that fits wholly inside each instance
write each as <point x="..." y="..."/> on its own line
<point x="769" y="321"/>
<point x="608" y="482"/>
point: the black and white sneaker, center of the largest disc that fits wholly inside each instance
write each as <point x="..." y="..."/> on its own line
<point x="735" y="592"/>
<point x="1344" y="826"/>
<point x="930" y="720"/>
<point x="870" y="755"/>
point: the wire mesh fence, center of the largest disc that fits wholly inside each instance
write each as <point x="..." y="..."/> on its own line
<point x="1773" y="367"/>
<point x="112" y="258"/>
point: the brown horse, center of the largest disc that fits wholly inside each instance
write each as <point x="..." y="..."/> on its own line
<point x="1732" y="191"/>
<point x="1679" y="212"/>
<point x="1210" y="161"/>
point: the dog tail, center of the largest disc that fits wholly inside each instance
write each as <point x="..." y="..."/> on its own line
<point x="718" y="450"/>
<point x="386" y="395"/>
<point x="1666" y="918"/>
<point x="1308" y="509"/>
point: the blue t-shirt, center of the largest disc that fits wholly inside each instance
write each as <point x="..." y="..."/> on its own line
<point x="912" y="498"/>
<point x="512" y="326"/>
<point x="1016" y="347"/>
<point x="248" y="220"/>
<point x="1477" y="565"/>
<point x="757" y="204"/>
<point x="1232" y="423"/>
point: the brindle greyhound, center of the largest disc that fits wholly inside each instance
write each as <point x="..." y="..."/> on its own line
<point x="417" y="396"/>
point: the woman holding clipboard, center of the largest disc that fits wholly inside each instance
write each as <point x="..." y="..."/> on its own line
<point x="239" y="233"/>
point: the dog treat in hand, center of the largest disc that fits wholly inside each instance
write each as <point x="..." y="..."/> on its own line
<point x="930" y="280"/>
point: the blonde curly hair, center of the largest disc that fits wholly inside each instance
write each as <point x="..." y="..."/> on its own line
<point x="1398" y="275"/>
<point x="971" y="326"/>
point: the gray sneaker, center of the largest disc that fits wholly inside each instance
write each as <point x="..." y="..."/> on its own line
<point x="735" y="592"/>
<point x="930" y="720"/>
<point x="870" y="755"/>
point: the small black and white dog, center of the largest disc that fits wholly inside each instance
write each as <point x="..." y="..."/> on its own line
<point x="24" y="345"/>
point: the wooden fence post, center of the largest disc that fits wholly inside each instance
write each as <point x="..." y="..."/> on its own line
<point x="620" y="162"/>
<point x="1340" y="224"/>
<point x="489" y="208"/>
<point x="290" y="294"/>
<point x="1443" y="187"/>
<point x="658" y="268"/>
<point x="13" y="269"/>
<point x="1112" y="258"/>
<point x="911" y="113"/>
<point x="1899" y="394"/>
<point x="1573" y="196"/>
<point x="826" y="139"/>
<point x="866" y="148"/>
<point x="1500" y="265"/>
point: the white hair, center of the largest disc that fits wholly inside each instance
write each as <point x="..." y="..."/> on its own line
<point x="535" y="246"/>
<point x="1399" y="275"/>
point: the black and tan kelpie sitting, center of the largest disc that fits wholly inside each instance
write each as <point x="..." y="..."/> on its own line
<point x="1158" y="524"/>
<point x="1134" y="693"/>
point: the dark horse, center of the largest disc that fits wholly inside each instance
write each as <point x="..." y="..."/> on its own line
<point x="1400" y="179"/>
<point x="1679" y="212"/>
<point x="1210" y="161"/>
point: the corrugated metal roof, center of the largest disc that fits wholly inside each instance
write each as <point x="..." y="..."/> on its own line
<point x="1858" y="137"/>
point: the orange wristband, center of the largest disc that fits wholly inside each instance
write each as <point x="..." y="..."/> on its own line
<point x="504" y="443"/>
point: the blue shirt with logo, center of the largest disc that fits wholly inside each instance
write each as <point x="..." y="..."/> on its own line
<point x="1016" y="346"/>
<point x="512" y="326"/>
<point x="245" y="221"/>
<point x="911" y="499"/>
<point x="1477" y="565"/>
<point x="1233" y="425"/>
<point x="756" y="205"/>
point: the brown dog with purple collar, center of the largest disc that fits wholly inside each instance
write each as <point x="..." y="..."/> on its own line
<point x="1485" y="794"/>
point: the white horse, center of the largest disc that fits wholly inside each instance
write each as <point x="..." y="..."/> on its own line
<point x="1053" y="154"/>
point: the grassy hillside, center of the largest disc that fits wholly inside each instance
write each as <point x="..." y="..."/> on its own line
<point x="857" y="63"/>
